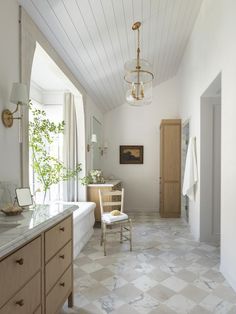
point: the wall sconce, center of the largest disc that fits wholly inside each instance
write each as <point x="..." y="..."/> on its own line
<point x="19" y="96"/>
<point x="93" y="141"/>
<point x="104" y="148"/>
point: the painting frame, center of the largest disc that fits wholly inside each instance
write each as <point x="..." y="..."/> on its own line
<point x="131" y="154"/>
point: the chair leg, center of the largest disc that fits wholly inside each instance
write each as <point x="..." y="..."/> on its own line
<point x="101" y="242"/>
<point x="130" y="234"/>
<point x="121" y="234"/>
<point x="104" y="239"/>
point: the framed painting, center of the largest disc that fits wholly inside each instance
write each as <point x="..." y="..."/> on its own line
<point x="131" y="154"/>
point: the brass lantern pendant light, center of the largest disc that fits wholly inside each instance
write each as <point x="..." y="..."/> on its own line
<point x="138" y="77"/>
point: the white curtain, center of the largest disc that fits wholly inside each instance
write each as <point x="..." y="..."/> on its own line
<point x="70" y="148"/>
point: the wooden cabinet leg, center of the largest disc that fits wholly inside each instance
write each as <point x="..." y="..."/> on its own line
<point x="71" y="300"/>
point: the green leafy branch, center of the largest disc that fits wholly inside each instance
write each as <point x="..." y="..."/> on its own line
<point x="42" y="133"/>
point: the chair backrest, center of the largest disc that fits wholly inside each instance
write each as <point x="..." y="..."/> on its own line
<point x="108" y="198"/>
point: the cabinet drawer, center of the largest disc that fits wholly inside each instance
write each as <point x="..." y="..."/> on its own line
<point x="18" y="268"/>
<point x="59" y="293"/>
<point x="27" y="300"/>
<point x="57" y="237"/>
<point x="57" y="265"/>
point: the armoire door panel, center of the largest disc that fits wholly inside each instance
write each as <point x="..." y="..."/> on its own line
<point x="171" y="151"/>
<point x="171" y="199"/>
<point x="170" y="168"/>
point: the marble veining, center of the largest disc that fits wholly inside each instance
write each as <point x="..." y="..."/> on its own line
<point x="167" y="272"/>
<point x="29" y="224"/>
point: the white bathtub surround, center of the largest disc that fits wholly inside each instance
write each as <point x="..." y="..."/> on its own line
<point x="17" y="230"/>
<point x="83" y="221"/>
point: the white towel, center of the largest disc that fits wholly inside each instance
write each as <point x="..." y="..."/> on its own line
<point x="109" y="218"/>
<point x="190" y="172"/>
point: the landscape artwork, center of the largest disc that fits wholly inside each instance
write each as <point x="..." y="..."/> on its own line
<point x="131" y="154"/>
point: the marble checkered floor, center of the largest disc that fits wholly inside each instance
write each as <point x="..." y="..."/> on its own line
<point x="167" y="272"/>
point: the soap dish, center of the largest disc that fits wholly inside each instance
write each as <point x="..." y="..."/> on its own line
<point x="12" y="211"/>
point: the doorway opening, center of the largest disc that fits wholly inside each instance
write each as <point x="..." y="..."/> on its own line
<point x="210" y="168"/>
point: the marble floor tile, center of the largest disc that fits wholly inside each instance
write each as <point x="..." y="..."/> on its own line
<point x="186" y="275"/>
<point x="161" y="293"/>
<point x="199" y="310"/>
<point x="194" y="293"/>
<point x="214" y="275"/>
<point x="128" y="292"/>
<point x="163" y="309"/>
<point x="225" y="293"/>
<point x="180" y="304"/>
<point x="109" y="303"/>
<point x="144" y="303"/>
<point x="130" y="275"/>
<point x="205" y="284"/>
<point x="158" y="275"/>
<point x="174" y="283"/>
<point x="114" y="282"/>
<point x="232" y="310"/>
<point x="95" y="292"/>
<point x="144" y="283"/>
<point x="167" y="272"/>
<point x="101" y="274"/>
<point x="215" y="304"/>
<point x="126" y="308"/>
<point x="91" y="267"/>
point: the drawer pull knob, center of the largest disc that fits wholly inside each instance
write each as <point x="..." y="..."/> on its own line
<point x="62" y="256"/>
<point x="20" y="302"/>
<point x="20" y="261"/>
<point x="62" y="229"/>
<point x="62" y="284"/>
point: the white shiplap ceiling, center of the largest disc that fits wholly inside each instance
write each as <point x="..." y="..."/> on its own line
<point x="95" y="39"/>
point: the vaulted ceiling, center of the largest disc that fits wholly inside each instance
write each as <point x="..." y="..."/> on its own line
<point x="95" y="39"/>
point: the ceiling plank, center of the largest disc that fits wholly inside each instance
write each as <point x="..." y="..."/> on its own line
<point x="95" y="38"/>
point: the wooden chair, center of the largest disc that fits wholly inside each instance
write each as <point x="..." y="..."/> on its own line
<point x="109" y="198"/>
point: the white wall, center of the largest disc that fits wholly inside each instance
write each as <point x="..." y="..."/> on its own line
<point x="9" y="73"/>
<point x="210" y="169"/>
<point x="212" y="49"/>
<point x="127" y="125"/>
<point x="91" y="110"/>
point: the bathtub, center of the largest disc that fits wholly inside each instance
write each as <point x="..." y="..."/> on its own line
<point x="83" y="221"/>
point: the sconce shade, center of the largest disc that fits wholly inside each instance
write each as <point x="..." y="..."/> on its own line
<point x="19" y="94"/>
<point x="94" y="138"/>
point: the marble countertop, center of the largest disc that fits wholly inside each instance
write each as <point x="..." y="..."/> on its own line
<point x="17" y="230"/>
<point x="107" y="183"/>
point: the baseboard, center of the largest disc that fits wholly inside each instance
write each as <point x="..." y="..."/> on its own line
<point x="141" y="210"/>
<point x="228" y="277"/>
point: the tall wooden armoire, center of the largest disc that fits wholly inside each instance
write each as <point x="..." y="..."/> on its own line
<point x="170" y="168"/>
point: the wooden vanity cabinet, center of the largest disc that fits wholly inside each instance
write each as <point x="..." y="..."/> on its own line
<point x="20" y="279"/>
<point x="93" y="196"/>
<point x="37" y="278"/>
<point x="58" y="266"/>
